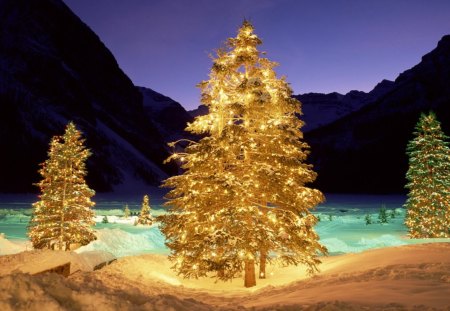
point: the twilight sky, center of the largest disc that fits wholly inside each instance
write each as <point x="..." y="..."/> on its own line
<point x="322" y="46"/>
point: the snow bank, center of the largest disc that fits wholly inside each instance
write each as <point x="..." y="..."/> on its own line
<point x="116" y="219"/>
<point x="412" y="277"/>
<point x="37" y="261"/>
<point x="121" y="243"/>
<point x="337" y="246"/>
<point x="7" y="247"/>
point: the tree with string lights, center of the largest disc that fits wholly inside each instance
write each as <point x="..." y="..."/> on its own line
<point x="145" y="216"/>
<point x="242" y="199"/>
<point x="63" y="215"/>
<point x="428" y="203"/>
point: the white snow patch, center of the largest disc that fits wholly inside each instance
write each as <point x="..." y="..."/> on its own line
<point x="121" y="243"/>
<point x="7" y="247"/>
<point x="116" y="219"/>
<point x="165" y="278"/>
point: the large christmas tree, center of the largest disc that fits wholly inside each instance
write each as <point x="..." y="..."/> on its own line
<point x="63" y="215"/>
<point x="428" y="203"/>
<point x="243" y="194"/>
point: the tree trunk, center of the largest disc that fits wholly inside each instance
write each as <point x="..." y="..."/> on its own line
<point x="221" y="273"/>
<point x="249" y="276"/>
<point x="262" y="264"/>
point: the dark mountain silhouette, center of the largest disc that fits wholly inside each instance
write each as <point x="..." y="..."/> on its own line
<point x="365" y="151"/>
<point x="53" y="69"/>
<point x="358" y="140"/>
<point x="168" y="115"/>
<point x="322" y="109"/>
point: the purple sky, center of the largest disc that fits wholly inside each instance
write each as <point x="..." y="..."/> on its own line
<point x="322" y="46"/>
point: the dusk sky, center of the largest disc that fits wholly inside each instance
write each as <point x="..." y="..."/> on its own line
<point x="322" y="46"/>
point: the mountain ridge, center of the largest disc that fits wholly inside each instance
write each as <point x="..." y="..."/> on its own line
<point x="54" y="68"/>
<point x="350" y="154"/>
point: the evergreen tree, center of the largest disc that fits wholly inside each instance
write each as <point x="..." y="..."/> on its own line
<point x="382" y="215"/>
<point x="63" y="215"/>
<point x="145" y="216"/>
<point x="428" y="203"/>
<point x="243" y="194"/>
<point x="368" y="219"/>
<point x="126" y="211"/>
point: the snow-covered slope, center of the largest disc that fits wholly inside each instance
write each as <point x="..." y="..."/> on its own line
<point x="168" y="115"/>
<point x="53" y="69"/>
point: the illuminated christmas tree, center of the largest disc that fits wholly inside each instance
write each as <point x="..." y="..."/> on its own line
<point x="145" y="216"/>
<point x="428" y="203"/>
<point x="63" y="215"/>
<point x="243" y="199"/>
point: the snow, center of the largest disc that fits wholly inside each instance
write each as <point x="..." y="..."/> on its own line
<point x="7" y="247"/>
<point x="36" y="261"/>
<point x="122" y="243"/>
<point x="130" y="182"/>
<point x="370" y="267"/>
<point x="342" y="228"/>
<point x="411" y="277"/>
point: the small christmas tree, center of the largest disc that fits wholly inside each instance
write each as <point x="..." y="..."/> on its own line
<point x="126" y="211"/>
<point x="63" y="215"/>
<point x="145" y="216"/>
<point x="243" y="194"/>
<point x="428" y="203"/>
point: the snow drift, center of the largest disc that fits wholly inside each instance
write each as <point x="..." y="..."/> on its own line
<point x="412" y="277"/>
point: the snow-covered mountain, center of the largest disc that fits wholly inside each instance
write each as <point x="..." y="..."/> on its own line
<point x="168" y="115"/>
<point x="53" y="69"/>
<point x="358" y="140"/>
<point x="365" y="151"/>
<point x="322" y="109"/>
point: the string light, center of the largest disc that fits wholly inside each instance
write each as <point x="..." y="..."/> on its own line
<point x="428" y="203"/>
<point x="243" y="185"/>
<point x="145" y="216"/>
<point x="63" y="216"/>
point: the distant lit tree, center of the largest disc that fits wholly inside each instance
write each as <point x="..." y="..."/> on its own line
<point x="428" y="203"/>
<point x="126" y="211"/>
<point x="63" y="215"/>
<point x="145" y="216"/>
<point x="243" y="195"/>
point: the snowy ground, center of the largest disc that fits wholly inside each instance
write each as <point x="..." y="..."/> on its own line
<point x="412" y="277"/>
<point x="342" y="227"/>
<point x="371" y="267"/>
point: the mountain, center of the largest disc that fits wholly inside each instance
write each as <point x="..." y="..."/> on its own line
<point x="365" y="151"/>
<point x="358" y="140"/>
<point x="322" y="109"/>
<point x="168" y="115"/>
<point x="53" y="69"/>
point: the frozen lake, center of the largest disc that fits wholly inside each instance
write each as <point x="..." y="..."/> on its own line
<point x="342" y="227"/>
